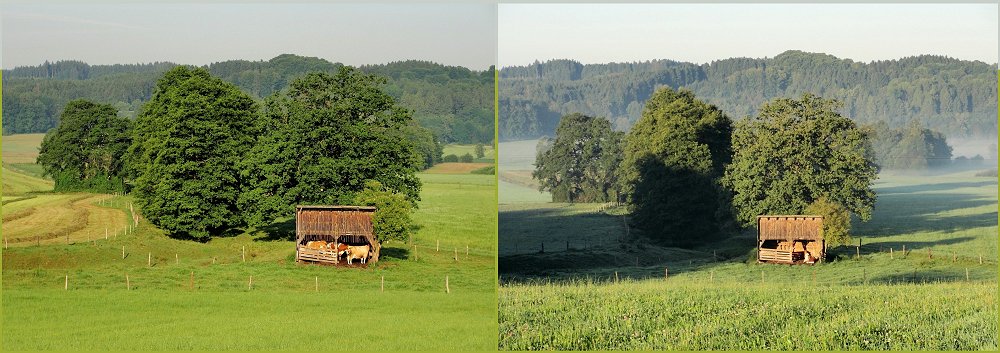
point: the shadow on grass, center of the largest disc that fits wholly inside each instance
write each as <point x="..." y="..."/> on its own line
<point x="908" y="189"/>
<point x="278" y="231"/>
<point x="897" y="214"/>
<point x="395" y="253"/>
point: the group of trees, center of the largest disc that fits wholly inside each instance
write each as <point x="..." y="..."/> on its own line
<point x="954" y="97"/>
<point x="912" y="147"/>
<point x="203" y="156"/>
<point x="449" y="104"/>
<point x="691" y="174"/>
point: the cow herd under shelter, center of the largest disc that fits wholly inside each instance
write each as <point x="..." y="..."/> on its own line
<point x="350" y="225"/>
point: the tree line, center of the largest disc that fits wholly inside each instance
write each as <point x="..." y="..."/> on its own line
<point x="203" y="157"/>
<point x="691" y="174"/>
<point x="955" y="97"/>
<point x="455" y="103"/>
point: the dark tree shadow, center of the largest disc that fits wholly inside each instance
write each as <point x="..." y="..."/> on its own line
<point x="909" y="189"/>
<point x="278" y="231"/>
<point x="395" y="253"/>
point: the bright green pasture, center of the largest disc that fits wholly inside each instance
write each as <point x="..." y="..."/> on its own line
<point x="727" y="315"/>
<point x="939" y="294"/>
<point x="165" y="309"/>
<point x="16" y="182"/>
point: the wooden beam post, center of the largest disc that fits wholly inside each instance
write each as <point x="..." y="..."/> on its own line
<point x="317" y="283"/>
<point x="128" y="284"/>
<point x="447" y="289"/>
<point x="66" y="285"/>
<point x="438" y="247"/>
<point x="382" y="286"/>
<point x="123" y="252"/>
<point x="890" y="254"/>
<point x="666" y="273"/>
<point x="244" y="253"/>
<point x="250" y="285"/>
<point x="149" y="260"/>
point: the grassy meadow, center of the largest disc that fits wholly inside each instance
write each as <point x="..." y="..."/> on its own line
<point x="146" y="291"/>
<point x="574" y="276"/>
<point x="460" y="149"/>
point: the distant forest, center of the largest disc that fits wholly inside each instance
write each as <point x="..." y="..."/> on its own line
<point x="954" y="97"/>
<point x="455" y="103"/>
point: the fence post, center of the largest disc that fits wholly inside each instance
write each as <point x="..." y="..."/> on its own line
<point x="447" y="289"/>
<point x="980" y="259"/>
<point x="467" y="249"/>
<point x="66" y="285"/>
<point x="250" y="284"/>
<point x="128" y="284"/>
<point x="382" y="286"/>
<point x="123" y="252"/>
<point x="456" y="254"/>
<point x="317" y="283"/>
<point x="177" y="259"/>
<point x="105" y="233"/>
<point x="890" y="254"/>
<point x="666" y="273"/>
<point x="149" y="260"/>
<point x="616" y="276"/>
<point x="244" y="253"/>
<point x="438" y="246"/>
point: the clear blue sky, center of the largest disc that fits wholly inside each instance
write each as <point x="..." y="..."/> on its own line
<point x="189" y="33"/>
<point x="700" y="33"/>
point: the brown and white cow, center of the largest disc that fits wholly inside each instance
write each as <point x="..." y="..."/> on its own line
<point x="318" y="245"/>
<point x="358" y="252"/>
<point x="340" y="248"/>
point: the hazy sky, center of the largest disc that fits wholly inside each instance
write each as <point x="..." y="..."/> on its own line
<point x="700" y="33"/>
<point x="354" y="34"/>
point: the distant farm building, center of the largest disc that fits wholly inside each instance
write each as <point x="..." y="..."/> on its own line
<point x="792" y="239"/>
<point x="335" y="225"/>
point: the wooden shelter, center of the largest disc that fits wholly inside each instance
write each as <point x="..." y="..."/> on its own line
<point x="351" y="225"/>
<point x="791" y="239"/>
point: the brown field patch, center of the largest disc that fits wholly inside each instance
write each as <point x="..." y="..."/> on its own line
<point x="519" y="177"/>
<point x="455" y="168"/>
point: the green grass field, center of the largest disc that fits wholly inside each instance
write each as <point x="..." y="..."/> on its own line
<point x="459" y="150"/>
<point x="197" y="296"/>
<point x="597" y="287"/>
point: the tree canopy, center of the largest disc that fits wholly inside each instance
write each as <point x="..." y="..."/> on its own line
<point x="85" y="151"/>
<point x="322" y="140"/>
<point x="912" y="147"/>
<point x="955" y="97"/>
<point x="455" y="103"/>
<point x="673" y="157"/>
<point x="796" y="151"/>
<point x="582" y="163"/>
<point x="187" y="143"/>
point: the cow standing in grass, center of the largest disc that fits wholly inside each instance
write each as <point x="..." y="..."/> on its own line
<point x="358" y="252"/>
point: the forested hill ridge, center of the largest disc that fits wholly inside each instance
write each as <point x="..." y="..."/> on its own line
<point x="454" y="102"/>
<point x="955" y="97"/>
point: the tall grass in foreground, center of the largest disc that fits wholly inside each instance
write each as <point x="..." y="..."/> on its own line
<point x="689" y="315"/>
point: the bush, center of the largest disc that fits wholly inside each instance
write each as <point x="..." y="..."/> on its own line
<point x="450" y="159"/>
<point x="485" y="170"/>
<point x="392" y="215"/>
<point x="466" y="158"/>
<point x="836" y="220"/>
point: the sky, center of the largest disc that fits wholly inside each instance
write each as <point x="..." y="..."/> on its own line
<point x="701" y="33"/>
<point x="462" y="34"/>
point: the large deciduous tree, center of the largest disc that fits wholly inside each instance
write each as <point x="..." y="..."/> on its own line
<point x="673" y="157"/>
<point x="326" y="136"/>
<point x="85" y="151"/>
<point x="795" y="152"/>
<point x="187" y="142"/>
<point x="582" y="163"/>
